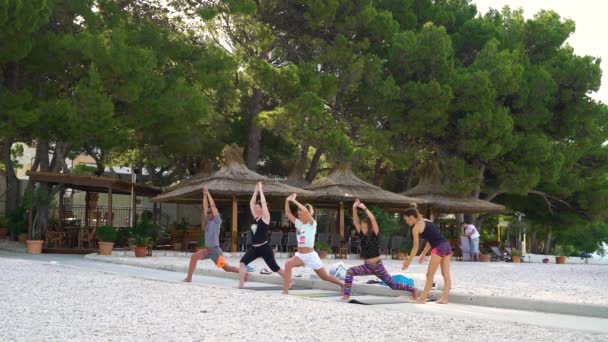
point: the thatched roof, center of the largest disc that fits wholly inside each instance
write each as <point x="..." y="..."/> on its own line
<point x="93" y="183"/>
<point x="343" y="185"/>
<point x="233" y="179"/>
<point x="432" y="189"/>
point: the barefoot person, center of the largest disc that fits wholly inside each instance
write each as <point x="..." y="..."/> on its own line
<point x="369" y="233"/>
<point x="259" y="242"/>
<point x="441" y="253"/>
<point x="306" y="229"/>
<point x="212" y="248"/>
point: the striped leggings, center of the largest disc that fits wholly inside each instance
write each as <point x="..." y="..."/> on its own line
<point x="376" y="269"/>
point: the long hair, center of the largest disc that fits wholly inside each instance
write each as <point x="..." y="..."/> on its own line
<point x="368" y="222"/>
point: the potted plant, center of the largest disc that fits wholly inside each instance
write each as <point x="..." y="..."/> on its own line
<point x="17" y="223"/>
<point x="485" y="255"/>
<point x="3" y="228"/>
<point x="177" y="234"/>
<point x="515" y="256"/>
<point x="560" y="258"/>
<point x="107" y="237"/>
<point x="323" y="249"/>
<point x="201" y="242"/>
<point x="141" y="245"/>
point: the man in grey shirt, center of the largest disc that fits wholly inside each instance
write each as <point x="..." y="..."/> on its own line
<point x="212" y="248"/>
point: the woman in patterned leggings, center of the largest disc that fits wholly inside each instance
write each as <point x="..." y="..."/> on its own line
<point x="370" y="253"/>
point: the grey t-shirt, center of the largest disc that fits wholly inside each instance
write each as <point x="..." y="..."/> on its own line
<point x="212" y="233"/>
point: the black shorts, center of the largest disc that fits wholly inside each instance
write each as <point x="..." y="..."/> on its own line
<point x="264" y="251"/>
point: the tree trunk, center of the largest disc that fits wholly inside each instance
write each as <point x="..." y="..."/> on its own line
<point x="12" y="183"/>
<point x="255" y="132"/>
<point x="380" y="171"/>
<point x="314" y="166"/>
<point x="547" y="246"/>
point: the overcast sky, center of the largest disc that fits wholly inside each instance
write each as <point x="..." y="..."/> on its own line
<point x="591" y="21"/>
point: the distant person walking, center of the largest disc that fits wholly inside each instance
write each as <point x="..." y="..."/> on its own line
<point x="473" y="234"/>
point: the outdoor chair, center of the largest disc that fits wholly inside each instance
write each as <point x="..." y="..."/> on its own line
<point x="54" y="238"/>
<point x="383" y="245"/>
<point x="276" y="241"/>
<point x="354" y="245"/>
<point x="292" y="243"/>
<point x="192" y="239"/>
<point x="334" y="243"/>
<point x="227" y="244"/>
<point x="496" y="254"/>
<point x="396" y="243"/>
<point x="87" y="236"/>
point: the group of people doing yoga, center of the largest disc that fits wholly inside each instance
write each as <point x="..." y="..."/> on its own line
<point x="368" y="232"/>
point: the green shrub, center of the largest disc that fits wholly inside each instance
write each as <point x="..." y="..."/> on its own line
<point x="322" y="246"/>
<point x="17" y="220"/>
<point x="515" y="252"/>
<point x="388" y="223"/>
<point x="106" y="234"/>
<point x="142" y="241"/>
<point x="201" y="240"/>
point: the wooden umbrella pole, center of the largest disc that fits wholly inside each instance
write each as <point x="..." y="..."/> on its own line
<point x="341" y="218"/>
<point x="234" y="228"/>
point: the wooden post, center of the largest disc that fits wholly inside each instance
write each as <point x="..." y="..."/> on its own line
<point x="86" y="209"/>
<point x="155" y="214"/>
<point x="110" y="209"/>
<point x="341" y="220"/>
<point x="61" y="207"/>
<point x="234" y="228"/>
<point x="30" y="222"/>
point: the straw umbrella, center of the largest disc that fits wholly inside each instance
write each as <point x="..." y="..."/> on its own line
<point x="234" y="179"/>
<point x="343" y="186"/>
<point x="437" y="198"/>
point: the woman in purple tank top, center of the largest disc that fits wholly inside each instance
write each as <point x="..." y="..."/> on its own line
<point x="441" y="253"/>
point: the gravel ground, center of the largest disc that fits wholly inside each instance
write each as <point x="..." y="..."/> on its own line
<point x="564" y="283"/>
<point x="45" y="302"/>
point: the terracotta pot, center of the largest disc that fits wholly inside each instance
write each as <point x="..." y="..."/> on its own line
<point x="484" y="257"/>
<point x="34" y="246"/>
<point x="141" y="252"/>
<point x="516" y="259"/>
<point x="560" y="260"/>
<point x="3" y="233"/>
<point x="105" y="248"/>
<point x="322" y="254"/>
<point x="403" y="256"/>
<point x="22" y="238"/>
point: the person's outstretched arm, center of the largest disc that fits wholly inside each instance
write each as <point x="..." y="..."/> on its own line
<point x="416" y="237"/>
<point x="288" y="213"/>
<point x="212" y="204"/>
<point x="265" y="212"/>
<point x="205" y="208"/>
<point x="356" y="222"/>
<point x="372" y="218"/>
<point x="253" y="199"/>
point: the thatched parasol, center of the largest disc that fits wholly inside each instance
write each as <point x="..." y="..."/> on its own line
<point x="439" y="200"/>
<point x="343" y="186"/>
<point x="234" y="179"/>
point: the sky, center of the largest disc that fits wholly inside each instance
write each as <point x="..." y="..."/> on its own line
<point x="591" y="26"/>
